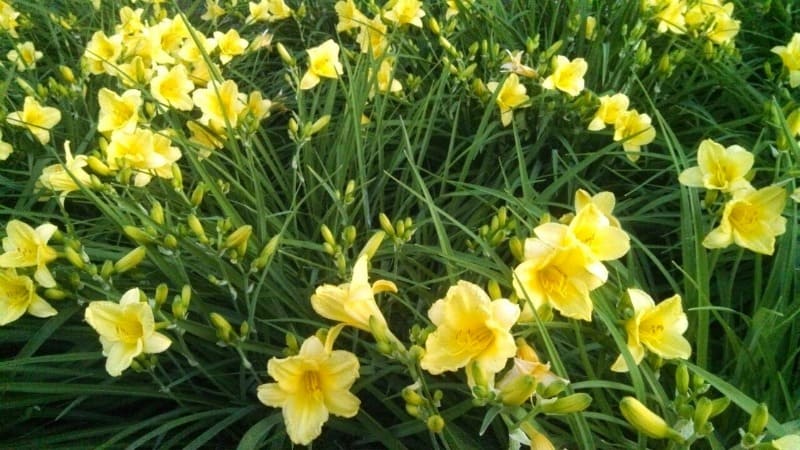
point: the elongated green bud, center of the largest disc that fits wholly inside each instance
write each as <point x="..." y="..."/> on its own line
<point x="702" y="412"/>
<point x="682" y="379"/>
<point x="285" y="56"/>
<point x="74" y="257"/>
<point x="131" y="260"/>
<point x="759" y="419"/>
<point x="157" y="213"/>
<point x="107" y="270"/>
<point x="349" y="235"/>
<point x="55" y="294"/>
<point x="327" y="235"/>
<point x="719" y="405"/>
<point x="197" y="228"/>
<point x="239" y="238"/>
<point x="138" y="235"/>
<point x="518" y="391"/>
<point x="222" y="327"/>
<point x="569" y="404"/>
<point x="162" y="291"/>
<point x="646" y="421"/>
<point x="98" y="166"/>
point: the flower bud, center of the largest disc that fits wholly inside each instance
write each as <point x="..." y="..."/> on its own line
<point x="518" y="390"/>
<point x="266" y="253"/>
<point x="238" y="239"/>
<point x="646" y="421"/>
<point x="682" y="379"/>
<point x="435" y="423"/>
<point x="55" y="294"/>
<point x="107" y="270"/>
<point x="157" y="213"/>
<point x="131" y="260"/>
<point x="719" y="405"/>
<point x="319" y="124"/>
<point x="197" y="195"/>
<point x="517" y="248"/>
<point x="222" y="327"/>
<point x="412" y="410"/>
<point x="372" y="245"/>
<point x="327" y="235"/>
<point x="349" y="235"/>
<point x="433" y="25"/>
<point x="702" y="413"/>
<point x="566" y="405"/>
<point x="137" y="234"/>
<point x="74" y="257"/>
<point x="170" y="241"/>
<point x="197" y="228"/>
<point x="160" y="296"/>
<point x="66" y="74"/>
<point x="285" y="56"/>
<point x="758" y="420"/>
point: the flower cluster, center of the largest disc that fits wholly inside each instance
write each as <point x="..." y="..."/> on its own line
<point x="711" y="19"/>
<point x="630" y="127"/>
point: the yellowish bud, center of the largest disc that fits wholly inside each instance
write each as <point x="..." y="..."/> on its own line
<point x="410" y="395"/>
<point x="719" y="405"/>
<point x="107" y="270"/>
<point x="197" y="228"/>
<point x="702" y="413"/>
<point x="493" y="289"/>
<point x="285" y="56"/>
<point x="157" y="213"/>
<point x="98" y="166"/>
<point x="160" y="296"/>
<point x="433" y="25"/>
<point x="412" y="410"/>
<point x="239" y="238"/>
<point x="74" y="257"/>
<point x="66" y="74"/>
<point x="177" y="177"/>
<point x="222" y="327"/>
<point x="758" y="420"/>
<point x="349" y="235"/>
<point x="327" y="235"/>
<point x="569" y="404"/>
<point x="131" y="260"/>
<point x="319" y="124"/>
<point x="170" y="241"/>
<point x="197" y="195"/>
<point x="646" y="421"/>
<point x="682" y="379"/>
<point x="386" y="224"/>
<point x="518" y="391"/>
<point x="55" y="294"/>
<point x="435" y="423"/>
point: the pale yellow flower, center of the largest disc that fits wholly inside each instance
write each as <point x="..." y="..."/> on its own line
<point x="751" y="219"/>
<point x="259" y="12"/>
<point x="656" y="328"/>
<point x="18" y="296"/>
<point x="510" y="96"/>
<point x="719" y="167"/>
<point x="142" y="150"/>
<point x="118" y="112"/>
<point x="230" y="44"/>
<point x="126" y="329"/>
<point x="670" y="16"/>
<point x="148" y="45"/>
<point x="8" y="19"/>
<point x="36" y="118"/>
<point x="470" y="327"/>
<point x="213" y="10"/>
<point x="384" y="79"/>
<point x="723" y="27"/>
<point x="454" y="7"/>
<point x="133" y="73"/>
<point x="204" y="137"/>
<point x="221" y="104"/>
<point x="790" y="55"/>
<point x="25" y="56"/>
<point x="310" y="386"/>
<point x="634" y="130"/>
<point x="67" y="177"/>
<point x="5" y="149"/>
<point x="27" y="247"/>
<point x="278" y="10"/>
<point x="372" y="37"/>
<point x="350" y="18"/>
<point x="352" y="303"/>
<point x="257" y="106"/>
<point x="788" y="442"/>
<point x="519" y="383"/>
<point x="567" y="75"/>
<point x="611" y="106"/>
<point x="591" y="231"/>
<point x="173" y="87"/>
<point x="406" y="12"/>
<point x="130" y="21"/>
<point x="102" y="52"/>
<point x="323" y="62"/>
<point x="604" y="201"/>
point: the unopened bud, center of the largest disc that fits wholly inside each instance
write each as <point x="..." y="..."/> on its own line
<point x="517" y="247"/>
<point x="239" y="238"/>
<point x="435" y="423"/>
<point x="66" y="74"/>
<point x="493" y="289"/>
<point x="319" y="124"/>
<point x="170" y="241"/>
<point x="349" y="235"/>
<point x="646" y="421"/>
<point x="702" y="413"/>
<point x="719" y="405"/>
<point x="327" y="235"/>
<point x="412" y="410"/>
<point x="433" y="25"/>
<point x="74" y="257"/>
<point x="518" y="391"/>
<point x="131" y="260"/>
<point x="567" y="405"/>
<point x="411" y="397"/>
<point x="55" y="294"/>
<point x="160" y="296"/>
<point x="222" y="327"/>
<point x="198" y="194"/>
<point x="107" y="270"/>
<point x="98" y="166"/>
<point x="682" y="379"/>
<point x="266" y="253"/>
<point x="157" y="213"/>
<point x="285" y="56"/>
<point x="386" y="224"/>
<point x="197" y="228"/>
<point x="758" y="420"/>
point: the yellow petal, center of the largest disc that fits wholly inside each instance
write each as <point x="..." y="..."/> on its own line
<point x="339" y="371"/>
<point x="40" y="308"/>
<point x="308" y="81"/>
<point x="120" y="356"/>
<point x="103" y="316"/>
<point x="156" y="343"/>
<point x="342" y="403"/>
<point x="304" y="417"/>
<point x="271" y="394"/>
<point x="692" y="177"/>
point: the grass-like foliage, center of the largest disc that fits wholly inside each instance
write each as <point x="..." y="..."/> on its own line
<point x="412" y="224"/>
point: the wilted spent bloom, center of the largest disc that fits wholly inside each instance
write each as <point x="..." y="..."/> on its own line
<point x="312" y="385"/>
<point x="406" y="12"/>
<point x="657" y="328"/>
<point x="527" y="376"/>
<point x="719" y="168"/>
<point x="24" y="55"/>
<point x="27" y="247"/>
<point x="751" y="219"/>
<point x="567" y="75"/>
<point x="67" y="177"/>
<point x="36" y="118"/>
<point x="611" y="106"/>
<point x="634" y="130"/>
<point x="323" y="62"/>
<point x="126" y="329"/>
<point x="470" y="328"/>
<point x="514" y="65"/>
<point x="510" y="96"/>
<point x="118" y="112"/>
<point x="790" y="55"/>
<point x="18" y="296"/>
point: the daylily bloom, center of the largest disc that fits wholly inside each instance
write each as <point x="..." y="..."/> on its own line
<point x="18" y="296"/>
<point x="230" y="44"/>
<point x="788" y="442"/>
<point x="372" y="37"/>
<point x="278" y="10"/>
<point x="470" y="328"/>
<point x="384" y="79"/>
<point x="567" y="75"/>
<point x="8" y="19"/>
<point x="634" y="130"/>
<point x="670" y="16"/>
<point x="5" y="149"/>
<point x="611" y="106"/>
<point x="591" y="231"/>
<point x="657" y="328"/>
<point x="790" y="55"/>
<point x="406" y="12"/>
<point x="719" y="167"/>
<point x="511" y="96"/>
<point x="604" y="201"/>
<point x="311" y="385"/>
<point x="323" y="62"/>
<point x="723" y="27"/>
<point x="126" y="329"/>
<point x="142" y="150"/>
<point x="36" y="118"/>
<point x="118" y="112"/>
<point x="102" y="52"/>
<point x="25" y="56"/>
<point x="221" y="104"/>
<point x="172" y="87"/>
<point x="27" y="247"/>
<point x="352" y="303"/>
<point x="752" y="219"/>
<point x="67" y="177"/>
<point x="455" y="6"/>
<point x="350" y="18"/>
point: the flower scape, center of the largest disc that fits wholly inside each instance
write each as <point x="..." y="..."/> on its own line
<point x="399" y="224"/>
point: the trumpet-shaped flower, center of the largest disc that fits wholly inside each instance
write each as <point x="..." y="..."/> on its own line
<point x="144" y="151"/>
<point x="723" y="26"/>
<point x="67" y="177"/>
<point x="221" y="104"/>
<point x="27" y="247"/>
<point x="611" y="106"/>
<point x="372" y="37"/>
<point x="352" y="303"/>
<point x="510" y="96"/>
<point x="8" y="19"/>
<point x="752" y="219"/>
<point x="561" y="277"/>
<point x="310" y="386"/>
<point x="719" y="167"/>
<point x="470" y="327"/>
<point x="230" y="44"/>
<point x="790" y="55"/>
<point x="657" y="328"/>
<point x="36" y="118"/>
<point x="102" y="52"/>
<point x="25" y="56"/>
<point x="591" y="231"/>
<point x="634" y="130"/>
<point x="350" y="18"/>
<point x="323" y="62"/>
<point x="126" y="329"/>
<point x="5" y="149"/>
<point x="384" y="79"/>
<point x="172" y="87"/>
<point x="604" y="201"/>
<point x="406" y="12"/>
<point x="567" y="75"/>
<point x="18" y="296"/>
<point x="670" y="16"/>
<point x="118" y="112"/>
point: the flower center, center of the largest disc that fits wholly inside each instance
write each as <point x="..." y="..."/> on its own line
<point x="311" y="382"/>
<point x="743" y="216"/>
<point x="129" y="331"/>
<point x="553" y="280"/>
<point x="475" y="339"/>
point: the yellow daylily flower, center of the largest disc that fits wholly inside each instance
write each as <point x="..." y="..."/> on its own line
<point x="27" y="247"/>
<point x="118" y="112"/>
<point x="221" y="104"/>
<point x="657" y="328"/>
<point x="591" y="231"/>
<point x="25" y="56"/>
<point x="561" y="277"/>
<point x="213" y="11"/>
<point x="611" y="106"/>
<point x="567" y="75"/>
<point x="670" y="16"/>
<point x="36" y="118"/>
<point x="142" y="150"/>
<point x="604" y="201"/>
<point x="719" y="167"/>
<point x="67" y="177"/>
<point x="18" y="296"/>
<point x="172" y="87"/>
<point x="126" y="329"/>
<point x="790" y="55"/>
<point x="372" y="37"/>
<point x="5" y="149"/>
<point x="352" y="303"/>
<point x="470" y="328"/>
<point x="455" y="6"/>
<point x="788" y="442"/>
<point x="278" y="10"/>
<point x="230" y="44"/>
<point x="752" y="219"/>
<point x="634" y="130"/>
<point x="406" y="12"/>
<point x="723" y="26"/>
<point x="511" y="95"/>
<point x="519" y="384"/>
<point x="310" y="386"/>
<point x="102" y="52"/>
<point x="323" y="62"/>
<point x="259" y="12"/>
<point x="350" y="18"/>
<point x="385" y="80"/>
<point x="8" y="19"/>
